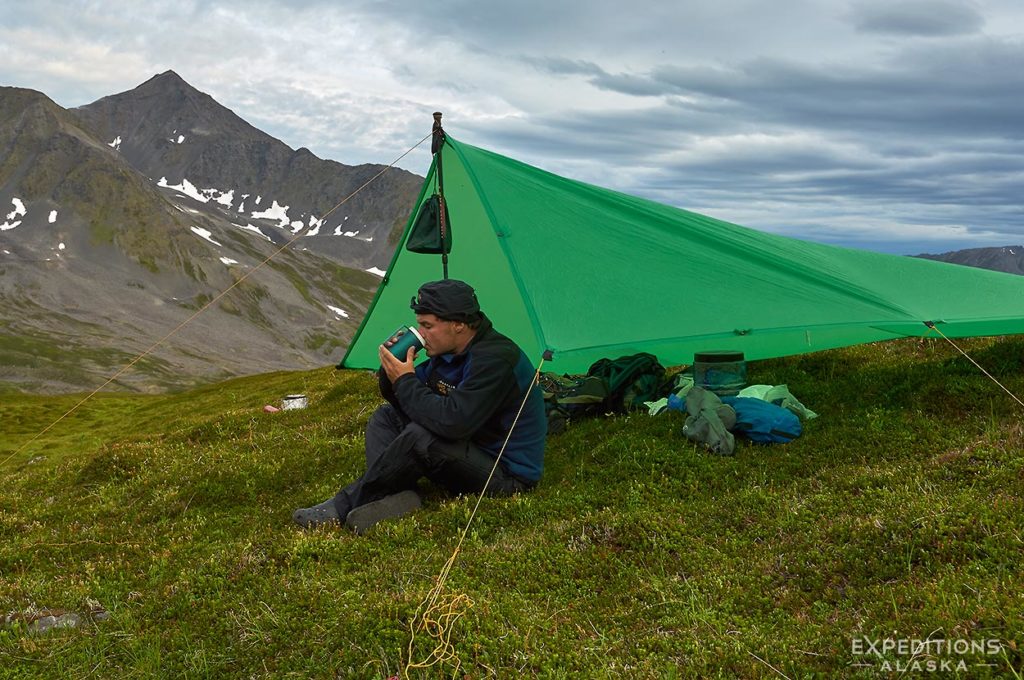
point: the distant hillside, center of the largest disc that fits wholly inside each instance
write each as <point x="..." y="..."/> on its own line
<point x="101" y="255"/>
<point x="1008" y="259"/>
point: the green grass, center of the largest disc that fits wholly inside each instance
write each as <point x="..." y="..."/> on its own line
<point x="898" y="514"/>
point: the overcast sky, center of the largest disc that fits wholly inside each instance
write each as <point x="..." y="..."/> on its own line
<point x="886" y="124"/>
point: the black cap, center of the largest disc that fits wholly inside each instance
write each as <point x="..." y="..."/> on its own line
<point x="447" y="299"/>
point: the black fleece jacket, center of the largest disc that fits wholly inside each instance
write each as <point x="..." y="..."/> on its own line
<point x="475" y="395"/>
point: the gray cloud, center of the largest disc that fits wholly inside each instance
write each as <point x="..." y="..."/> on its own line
<point x="928" y="18"/>
<point x="562" y="66"/>
<point x="810" y="118"/>
<point x="934" y="89"/>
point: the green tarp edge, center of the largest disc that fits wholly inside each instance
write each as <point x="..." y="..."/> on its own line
<point x="427" y="184"/>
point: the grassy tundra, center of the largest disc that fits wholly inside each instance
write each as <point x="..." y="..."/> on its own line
<point x="164" y="522"/>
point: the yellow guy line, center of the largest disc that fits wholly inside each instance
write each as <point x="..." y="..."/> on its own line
<point x="441" y="626"/>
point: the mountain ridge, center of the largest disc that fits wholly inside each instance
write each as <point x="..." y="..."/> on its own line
<point x="99" y="259"/>
<point x="1009" y="259"/>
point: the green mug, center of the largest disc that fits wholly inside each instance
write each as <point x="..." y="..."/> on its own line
<point x="402" y="339"/>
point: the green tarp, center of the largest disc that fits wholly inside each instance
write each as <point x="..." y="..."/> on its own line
<point x="591" y="273"/>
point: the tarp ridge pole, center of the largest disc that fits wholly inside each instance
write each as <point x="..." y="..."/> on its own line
<point x="435" y="148"/>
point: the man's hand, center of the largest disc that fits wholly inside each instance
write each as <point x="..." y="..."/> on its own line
<point x="392" y="366"/>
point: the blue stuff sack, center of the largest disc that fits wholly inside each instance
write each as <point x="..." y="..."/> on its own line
<point x="763" y="422"/>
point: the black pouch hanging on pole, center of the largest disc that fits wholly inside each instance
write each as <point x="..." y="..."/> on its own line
<point x="431" y="233"/>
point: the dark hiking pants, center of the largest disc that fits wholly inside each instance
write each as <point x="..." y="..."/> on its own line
<point x="400" y="452"/>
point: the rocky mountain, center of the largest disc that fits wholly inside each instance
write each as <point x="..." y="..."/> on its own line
<point x="1008" y="259"/>
<point x="108" y="246"/>
<point x="186" y="141"/>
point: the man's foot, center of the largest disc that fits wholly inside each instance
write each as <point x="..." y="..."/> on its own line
<point x="318" y="515"/>
<point x="365" y="516"/>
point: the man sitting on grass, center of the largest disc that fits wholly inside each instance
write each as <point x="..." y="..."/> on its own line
<point x="445" y="419"/>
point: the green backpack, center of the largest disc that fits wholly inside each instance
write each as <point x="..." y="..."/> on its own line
<point x="571" y="396"/>
<point x="631" y="380"/>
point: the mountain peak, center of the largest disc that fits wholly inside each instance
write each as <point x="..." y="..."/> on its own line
<point x="168" y="81"/>
<point x="168" y="74"/>
<point x="162" y="108"/>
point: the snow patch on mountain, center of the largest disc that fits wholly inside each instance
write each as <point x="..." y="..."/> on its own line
<point x="225" y="198"/>
<point x="342" y="314"/>
<point x="274" y="212"/>
<point x="337" y="229"/>
<point x="12" y="220"/>
<point x="205" y="234"/>
<point x="255" y="230"/>
<point x="352" y="234"/>
<point x="185" y="187"/>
